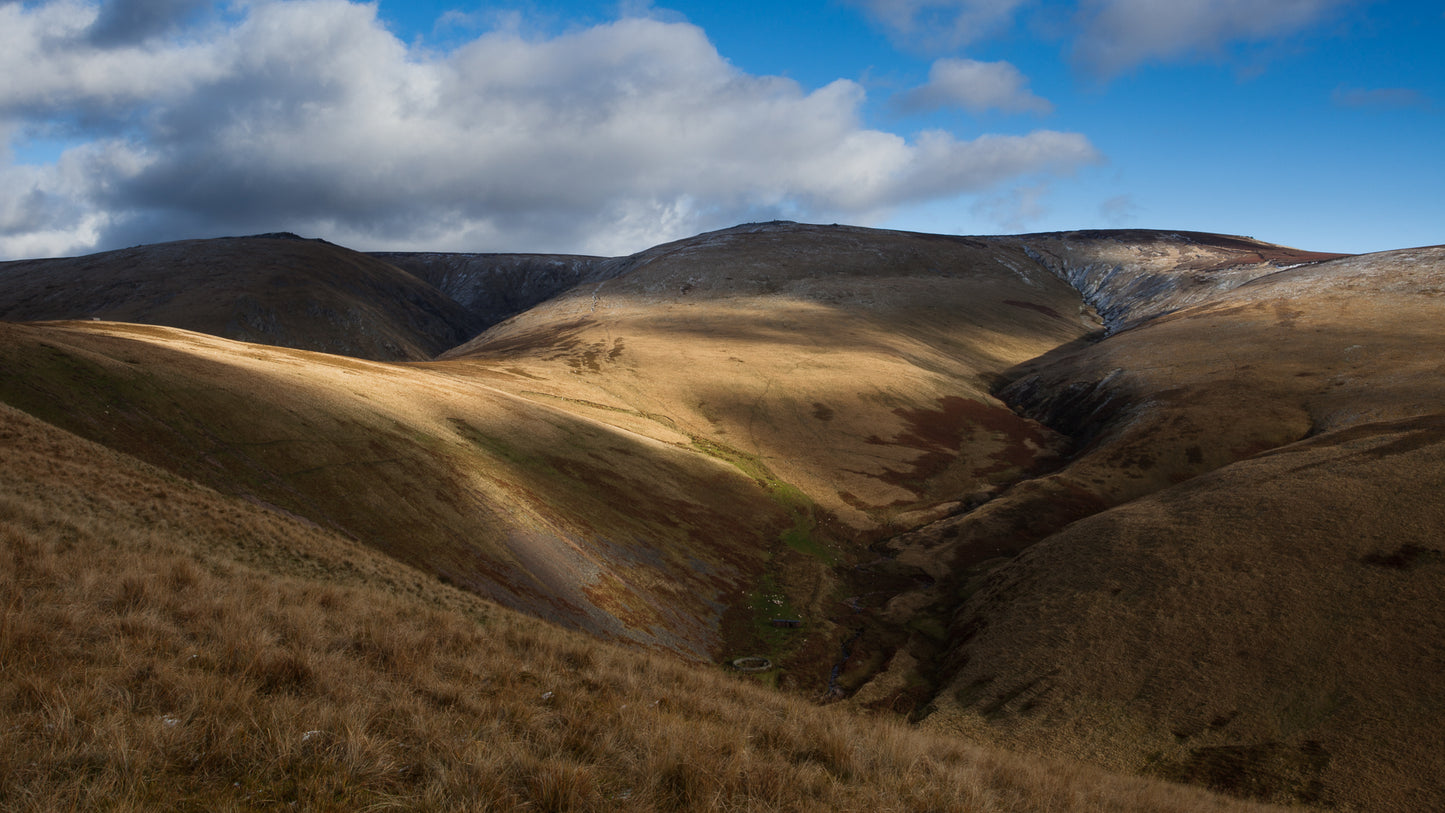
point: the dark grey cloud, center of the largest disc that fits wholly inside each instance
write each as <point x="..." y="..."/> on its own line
<point x="129" y="22"/>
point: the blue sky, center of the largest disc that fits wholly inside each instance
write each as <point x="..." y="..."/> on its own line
<point x="608" y="127"/>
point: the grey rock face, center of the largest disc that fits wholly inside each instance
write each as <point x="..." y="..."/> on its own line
<point x="493" y="287"/>
<point x="1129" y="276"/>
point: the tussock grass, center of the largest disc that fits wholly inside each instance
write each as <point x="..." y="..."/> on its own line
<point x="163" y="647"/>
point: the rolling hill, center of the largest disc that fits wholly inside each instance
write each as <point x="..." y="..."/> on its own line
<point x="274" y="289"/>
<point x="1160" y="501"/>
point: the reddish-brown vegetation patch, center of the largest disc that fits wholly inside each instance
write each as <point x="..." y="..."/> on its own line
<point x="1034" y="306"/>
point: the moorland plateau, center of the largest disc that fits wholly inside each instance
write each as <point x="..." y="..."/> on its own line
<point x="1050" y="521"/>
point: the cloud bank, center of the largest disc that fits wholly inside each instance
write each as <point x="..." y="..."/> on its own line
<point x="310" y="116"/>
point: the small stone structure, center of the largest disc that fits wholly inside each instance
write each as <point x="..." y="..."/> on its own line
<point x="752" y="663"/>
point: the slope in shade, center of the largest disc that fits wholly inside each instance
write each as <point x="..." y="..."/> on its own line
<point x="273" y="289"/>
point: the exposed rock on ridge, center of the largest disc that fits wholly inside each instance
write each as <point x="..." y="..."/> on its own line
<point x="1131" y="275"/>
<point x="493" y="287"/>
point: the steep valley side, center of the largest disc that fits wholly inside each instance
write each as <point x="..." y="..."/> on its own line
<point x="1255" y="487"/>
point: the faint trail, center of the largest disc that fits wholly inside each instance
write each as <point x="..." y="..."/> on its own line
<point x="756" y="409"/>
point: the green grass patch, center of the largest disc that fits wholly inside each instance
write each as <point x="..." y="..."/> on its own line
<point x="768" y="600"/>
<point x="929" y="627"/>
<point x="802" y="536"/>
<point x="742" y="461"/>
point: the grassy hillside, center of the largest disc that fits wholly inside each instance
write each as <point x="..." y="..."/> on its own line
<point x="515" y="500"/>
<point x="166" y="647"/>
<point x="492" y="287"/>
<point x="845" y="371"/>
<point x="851" y="365"/>
<point x="272" y="289"/>
<point x="1260" y="613"/>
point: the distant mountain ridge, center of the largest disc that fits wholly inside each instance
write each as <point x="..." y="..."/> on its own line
<point x="273" y="289"/>
<point x="372" y="306"/>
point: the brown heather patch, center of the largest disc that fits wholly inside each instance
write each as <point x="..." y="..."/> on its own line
<point x="164" y="647"/>
<point x="943" y="433"/>
<point x="1044" y="309"/>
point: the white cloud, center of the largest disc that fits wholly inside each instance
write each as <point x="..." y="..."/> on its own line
<point x="309" y="116"/>
<point x="1119" y="34"/>
<point x="977" y="87"/>
<point x="1109" y="36"/>
<point x="1120" y="210"/>
<point x="1382" y="98"/>
<point x="1016" y="209"/>
<point x="942" y="23"/>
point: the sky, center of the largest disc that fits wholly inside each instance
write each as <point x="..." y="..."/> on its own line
<point x="564" y="126"/>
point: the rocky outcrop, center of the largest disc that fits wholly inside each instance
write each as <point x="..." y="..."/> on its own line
<point x="1131" y="275"/>
<point x="493" y="287"/>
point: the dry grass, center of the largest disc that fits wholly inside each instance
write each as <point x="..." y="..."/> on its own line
<point x="1260" y="610"/>
<point x="434" y="468"/>
<point x="163" y="647"/>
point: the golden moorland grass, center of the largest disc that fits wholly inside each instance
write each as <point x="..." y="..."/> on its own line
<point x="709" y="443"/>
<point x="727" y="434"/>
<point x="165" y="647"/>
<point x="434" y="467"/>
